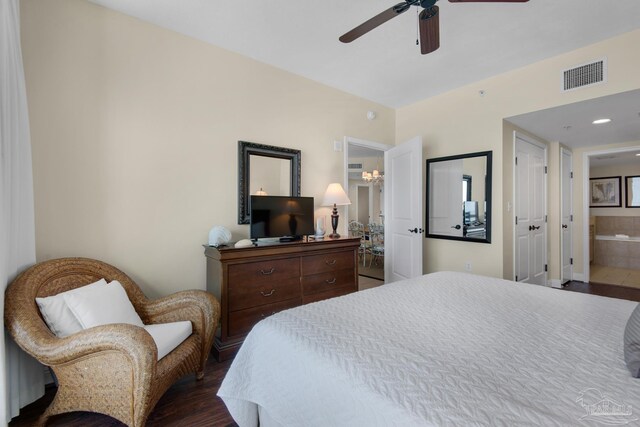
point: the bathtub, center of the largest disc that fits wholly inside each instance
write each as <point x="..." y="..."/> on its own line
<point x="620" y="239"/>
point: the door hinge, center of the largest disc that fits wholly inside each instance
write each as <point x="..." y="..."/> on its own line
<point x="516" y="278"/>
<point x="545" y="267"/>
<point x="545" y="169"/>
<point x="516" y="161"/>
<point x="516" y="220"/>
<point x="545" y="218"/>
<point x="571" y="261"/>
<point x="571" y="218"/>
<point x="571" y="175"/>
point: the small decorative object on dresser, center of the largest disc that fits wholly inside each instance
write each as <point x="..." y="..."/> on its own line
<point x="255" y="282"/>
<point x="219" y="236"/>
<point x="320" y="229"/>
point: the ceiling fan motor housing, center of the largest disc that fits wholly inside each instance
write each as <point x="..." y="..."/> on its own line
<point x="427" y="3"/>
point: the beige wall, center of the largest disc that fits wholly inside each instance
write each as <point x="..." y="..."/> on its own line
<point x="621" y="171"/>
<point x="463" y="121"/>
<point x="135" y="130"/>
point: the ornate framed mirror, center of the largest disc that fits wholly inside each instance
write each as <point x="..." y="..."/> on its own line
<point x="265" y="169"/>
<point x="459" y="197"/>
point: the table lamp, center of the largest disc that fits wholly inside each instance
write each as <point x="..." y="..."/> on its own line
<point x="335" y="196"/>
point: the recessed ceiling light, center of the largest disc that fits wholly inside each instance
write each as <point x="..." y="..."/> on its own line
<point x="601" y="121"/>
<point x="638" y="154"/>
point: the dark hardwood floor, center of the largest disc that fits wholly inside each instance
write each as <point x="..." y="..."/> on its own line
<point x="187" y="403"/>
<point x="613" y="291"/>
<point x="195" y="404"/>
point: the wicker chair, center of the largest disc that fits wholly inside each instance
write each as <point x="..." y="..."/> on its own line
<point x="110" y="369"/>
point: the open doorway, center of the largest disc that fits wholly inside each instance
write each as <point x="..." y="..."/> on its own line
<point x="364" y="182"/>
<point x="612" y="208"/>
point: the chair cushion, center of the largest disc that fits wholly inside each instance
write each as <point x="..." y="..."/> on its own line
<point x="103" y="305"/>
<point x="168" y="336"/>
<point x="56" y="313"/>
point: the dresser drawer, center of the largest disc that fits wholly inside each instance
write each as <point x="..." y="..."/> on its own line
<point x="332" y="261"/>
<point x="327" y="294"/>
<point x="264" y="271"/>
<point x="260" y="291"/>
<point x="241" y="322"/>
<point x="327" y="281"/>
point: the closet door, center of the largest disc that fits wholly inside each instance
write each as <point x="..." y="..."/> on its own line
<point x="566" y="214"/>
<point x="530" y="207"/>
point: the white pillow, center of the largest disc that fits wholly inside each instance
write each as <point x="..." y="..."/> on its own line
<point x="168" y="336"/>
<point x="56" y="313"/>
<point x="103" y="305"/>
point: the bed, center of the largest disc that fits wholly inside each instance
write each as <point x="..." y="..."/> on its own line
<point x="442" y="349"/>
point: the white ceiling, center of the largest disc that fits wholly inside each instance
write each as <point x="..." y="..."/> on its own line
<point x="478" y="40"/>
<point x="572" y="125"/>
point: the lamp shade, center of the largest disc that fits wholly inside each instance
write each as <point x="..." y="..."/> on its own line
<point x="335" y="195"/>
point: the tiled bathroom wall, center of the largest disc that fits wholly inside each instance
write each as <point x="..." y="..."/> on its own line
<point x="610" y="225"/>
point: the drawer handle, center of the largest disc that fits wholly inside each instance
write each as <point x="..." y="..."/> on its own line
<point x="331" y="282"/>
<point x="273" y="291"/>
<point x="332" y="262"/>
<point x="266" y="273"/>
<point x="265" y="315"/>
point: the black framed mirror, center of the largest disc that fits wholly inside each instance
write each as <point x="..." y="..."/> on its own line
<point x="458" y="203"/>
<point x="265" y="169"/>
<point x="632" y="191"/>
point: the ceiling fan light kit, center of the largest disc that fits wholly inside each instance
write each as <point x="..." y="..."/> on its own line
<point x="429" y="21"/>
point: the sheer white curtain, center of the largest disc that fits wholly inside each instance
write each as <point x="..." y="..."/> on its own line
<point x="21" y="377"/>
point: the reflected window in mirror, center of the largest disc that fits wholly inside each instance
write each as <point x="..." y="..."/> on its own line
<point x="458" y="205"/>
<point x="265" y="170"/>
<point x="466" y="188"/>
<point x="632" y="187"/>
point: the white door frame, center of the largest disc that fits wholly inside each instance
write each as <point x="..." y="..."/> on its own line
<point x="361" y="143"/>
<point x="564" y="151"/>
<point x="543" y="146"/>
<point x="585" y="205"/>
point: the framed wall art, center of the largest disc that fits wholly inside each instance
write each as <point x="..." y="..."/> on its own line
<point x="605" y="192"/>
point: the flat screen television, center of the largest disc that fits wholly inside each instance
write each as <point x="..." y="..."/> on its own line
<point x="288" y="218"/>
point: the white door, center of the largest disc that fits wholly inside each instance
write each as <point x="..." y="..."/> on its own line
<point x="403" y="211"/>
<point x="530" y="211"/>
<point x="566" y="214"/>
<point x="445" y="217"/>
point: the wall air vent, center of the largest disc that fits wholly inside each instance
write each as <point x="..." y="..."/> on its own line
<point x="355" y="167"/>
<point x="583" y="75"/>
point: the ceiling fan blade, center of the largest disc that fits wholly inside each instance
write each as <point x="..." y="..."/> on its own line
<point x="374" y="22"/>
<point x="429" y="30"/>
<point x="488" y="1"/>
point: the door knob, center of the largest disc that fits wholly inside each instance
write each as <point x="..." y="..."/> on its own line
<point x="564" y="226"/>
<point x="415" y="230"/>
<point x="457" y="226"/>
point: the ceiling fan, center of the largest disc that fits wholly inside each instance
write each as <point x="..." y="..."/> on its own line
<point x="428" y="20"/>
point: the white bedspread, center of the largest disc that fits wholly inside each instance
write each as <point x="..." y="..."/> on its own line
<point x="442" y="349"/>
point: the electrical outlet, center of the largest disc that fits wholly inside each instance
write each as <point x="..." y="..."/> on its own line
<point x="467" y="266"/>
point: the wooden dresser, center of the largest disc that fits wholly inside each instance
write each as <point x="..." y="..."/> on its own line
<point x="255" y="282"/>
